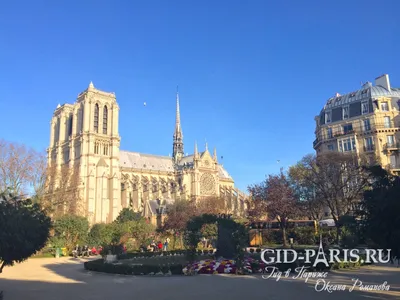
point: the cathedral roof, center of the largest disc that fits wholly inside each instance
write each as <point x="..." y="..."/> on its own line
<point x="149" y="162"/>
<point x="154" y="205"/>
<point x="222" y="173"/>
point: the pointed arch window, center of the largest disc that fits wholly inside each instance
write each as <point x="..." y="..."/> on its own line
<point x="96" y="118"/>
<point x="70" y="123"/>
<point x="105" y="119"/>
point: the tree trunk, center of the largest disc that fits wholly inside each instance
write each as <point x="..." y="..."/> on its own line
<point x="284" y="236"/>
<point x="173" y="241"/>
<point x="337" y="234"/>
<point x="2" y="266"/>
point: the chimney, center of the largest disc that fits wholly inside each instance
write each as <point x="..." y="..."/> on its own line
<point x="383" y="81"/>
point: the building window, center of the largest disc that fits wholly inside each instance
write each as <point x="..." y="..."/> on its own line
<point x="96" y="148"/>
<point x="105" y="150"/>
<point x="367" y="125"/>
<point x="347" y="145"/>
<point x="330" y="147"/>
<point x="386" y="122"/>
<point x="369" y="144"/>
<point x="105" y="119"/>
<point x="390" y="140"/>
<point x="348" y="128"/>
<point x="77" y="151"/>
<point x="364" y="107"/>
<point x="345" y="112"/>
<point x="81" y="114"/>
<point x="384" y="106"/>
<point x="327" y="117"/>
<point x="329" y="131"/>
<point x="66" y="155"/>
<point x="96" y="118"/>
<point x="70" y="122"/>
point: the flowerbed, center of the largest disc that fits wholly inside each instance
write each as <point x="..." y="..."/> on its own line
<point x="224" y="266"/>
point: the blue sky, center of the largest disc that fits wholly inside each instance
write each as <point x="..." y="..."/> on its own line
<point x="252" y="74"/>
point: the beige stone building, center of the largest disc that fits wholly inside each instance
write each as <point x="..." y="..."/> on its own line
<point x="85" y="137"/>
<point x="365" y="121"/>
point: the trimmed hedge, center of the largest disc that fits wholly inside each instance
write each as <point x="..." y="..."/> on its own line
<point x="99" y="266"/>
<point x="163" y="253"/>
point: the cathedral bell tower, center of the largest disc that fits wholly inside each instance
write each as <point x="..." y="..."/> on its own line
<point x="177" y="151"/>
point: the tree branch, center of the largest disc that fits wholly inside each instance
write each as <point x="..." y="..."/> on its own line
<point x="3" y="264"/>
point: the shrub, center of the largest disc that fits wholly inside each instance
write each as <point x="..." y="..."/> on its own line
<point x="303" y="236"/>
<point x="258" y="250"/>
<point x="99" y="266"/>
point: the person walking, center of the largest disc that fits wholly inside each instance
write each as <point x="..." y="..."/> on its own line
<point x="166" y="245"/>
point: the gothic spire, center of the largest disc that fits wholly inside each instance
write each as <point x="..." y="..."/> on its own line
<point x="178" y="129"/>
<point x="178" y="136"/>
<point x="215" y="154"/>
<point x="196" y="153"/>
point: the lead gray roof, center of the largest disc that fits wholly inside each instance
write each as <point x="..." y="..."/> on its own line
<point x="151" y="162"/>
<point x="366" y="92"/>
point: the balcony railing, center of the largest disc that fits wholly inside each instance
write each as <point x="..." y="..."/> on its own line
<point x="391" y="146"/>
<point x="342" y="133"/>
<point x="323" y="136"/>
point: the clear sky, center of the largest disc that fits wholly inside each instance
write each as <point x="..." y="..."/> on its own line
<point x="252" y="74"/>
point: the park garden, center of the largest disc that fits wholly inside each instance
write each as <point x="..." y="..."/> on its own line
<point x="362" y="200"/>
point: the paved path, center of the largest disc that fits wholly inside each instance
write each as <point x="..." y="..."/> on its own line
<point x="65" y="278"/>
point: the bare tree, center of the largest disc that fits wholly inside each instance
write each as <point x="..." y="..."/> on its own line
<point x="63" y="191"/>
<point x="211" y="205"/>
<point x="309" y="205"/>
<point x="280" y="199"/>
<point x="18" y="167"/>
<point x="338" y="179"/>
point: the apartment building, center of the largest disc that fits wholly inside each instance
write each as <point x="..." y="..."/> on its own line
<point x="366" y="121"/>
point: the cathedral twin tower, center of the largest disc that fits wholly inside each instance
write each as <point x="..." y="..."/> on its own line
<point x="95" y="179"/>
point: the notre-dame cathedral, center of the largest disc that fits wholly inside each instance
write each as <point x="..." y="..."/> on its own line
<point x="84" y="137"/>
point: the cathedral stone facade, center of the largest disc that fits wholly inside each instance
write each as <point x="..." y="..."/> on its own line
<point x="84" y="137"/>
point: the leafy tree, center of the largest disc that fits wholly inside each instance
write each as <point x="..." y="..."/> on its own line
<point x="73" y="229"/>
<point x="280" y="199"/>
<point x="100" y="234"/>
<point x="379" y="210"/>
<point x="24" y="230"/>
<point x="257" y="209"/>
<point x="126" y="215"/>
<point x="140" y="230"/>
<point x="178" y="214"/>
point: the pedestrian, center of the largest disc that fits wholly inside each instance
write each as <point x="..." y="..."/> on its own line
<point x="160" y="246"/>
<point x="166" y="245"/>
